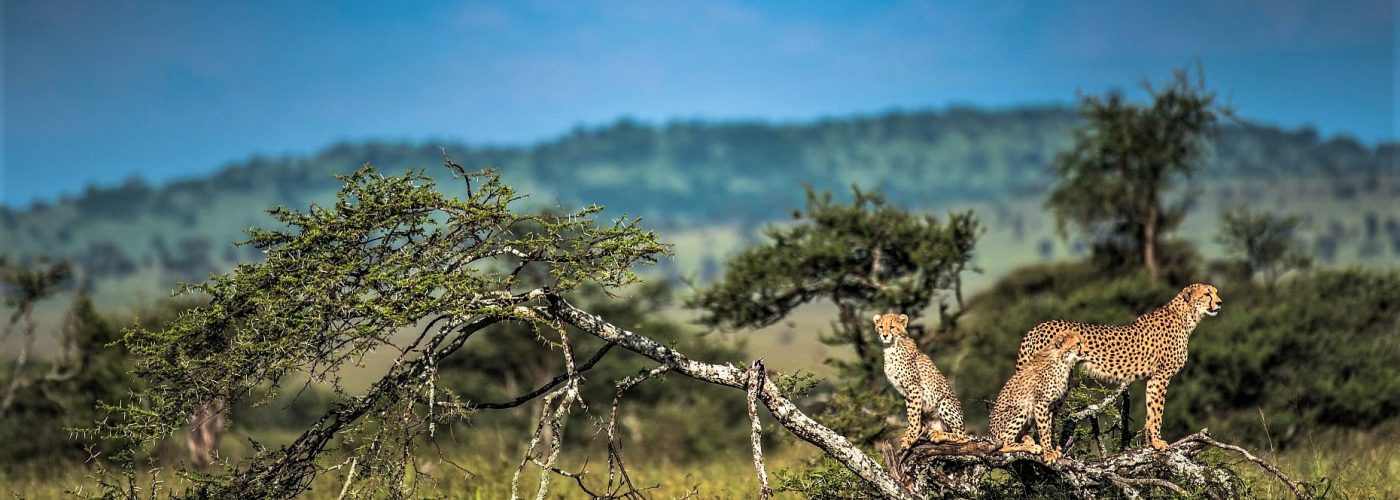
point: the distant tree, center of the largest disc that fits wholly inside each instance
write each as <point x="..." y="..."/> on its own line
<point x="1264" y="242"/>
<point x="21" y="288"/>
<point x="866" y="257"/>
<point x="1118" y="179"/>
<point x="45" y="400"/>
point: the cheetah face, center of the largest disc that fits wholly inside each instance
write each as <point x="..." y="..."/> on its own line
<point x="1204" y="298"/>
<point x="889" y="325"/>
<point x="1073" y="348"/>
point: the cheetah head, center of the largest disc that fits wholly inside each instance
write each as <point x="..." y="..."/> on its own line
<point x="1203" y="298"/>
<point x="890" y="324"/>
<point x="1073" y="348"/>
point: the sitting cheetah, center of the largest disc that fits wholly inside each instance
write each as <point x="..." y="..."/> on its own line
<point x="928" y="398"/>
<point x="1030" y="393"/>
<point x="1152" y="346"/>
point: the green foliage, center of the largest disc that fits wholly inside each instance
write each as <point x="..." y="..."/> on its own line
<point x="1263" y="242"/>
<point x="822" y="479"/>
<point x="21" y="285"/>
<point x="1116" y="181"/>
<point x="867" y="257"/>
<point x="1316" y="352"/>
<point x="340" y="282"/>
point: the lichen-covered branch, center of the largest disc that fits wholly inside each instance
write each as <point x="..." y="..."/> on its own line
<point x="784" y="411"/>
<point x="757" y="376"/>
<point x="1177" y="469"/>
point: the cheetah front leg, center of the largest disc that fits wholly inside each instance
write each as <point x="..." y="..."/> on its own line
<point x="914" y="407"/>
<point x="1156" y="401"/>
<point x="1047" y="438"/>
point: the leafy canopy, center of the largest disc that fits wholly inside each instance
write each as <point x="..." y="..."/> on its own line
<point x="1117" y="180"/>
<point x="866" y="257"/>
<point x="391" y="254"/>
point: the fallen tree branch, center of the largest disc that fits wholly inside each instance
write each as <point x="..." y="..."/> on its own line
<point x="1131" y="472"/>
<point x="784" y="411"/>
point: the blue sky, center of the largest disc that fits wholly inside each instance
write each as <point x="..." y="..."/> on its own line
<point x="98" y="91"/>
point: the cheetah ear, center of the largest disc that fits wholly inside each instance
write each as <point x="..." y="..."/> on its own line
<point x="877" y="318"/>
<point x="903" y="320"/>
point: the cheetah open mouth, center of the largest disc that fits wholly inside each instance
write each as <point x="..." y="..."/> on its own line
<point x="1213" y="311"/>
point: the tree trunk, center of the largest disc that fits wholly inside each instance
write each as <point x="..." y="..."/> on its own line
<point x="852" y="324"/>
<point x="1149" y="242"/>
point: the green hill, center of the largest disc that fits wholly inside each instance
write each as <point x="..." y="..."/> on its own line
<point x="709" y="185"/>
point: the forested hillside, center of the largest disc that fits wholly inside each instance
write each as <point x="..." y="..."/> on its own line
<point x="719" y="182"/>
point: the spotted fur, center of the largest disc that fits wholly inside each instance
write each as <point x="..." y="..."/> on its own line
<point x="929" y="401"/>
<point x="1032" y="393"/>
<point x="1153" y="346"/>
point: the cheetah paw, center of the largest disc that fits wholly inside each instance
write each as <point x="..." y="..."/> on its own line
<point x="1158" y="443"/>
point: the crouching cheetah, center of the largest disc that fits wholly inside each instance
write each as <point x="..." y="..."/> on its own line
<point x="928" y="399"/>
<point x="1153" y="346"/>
<point x="1031" y="393"/>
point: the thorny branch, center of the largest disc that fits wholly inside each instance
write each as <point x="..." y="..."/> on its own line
<point x="552" y="383"/>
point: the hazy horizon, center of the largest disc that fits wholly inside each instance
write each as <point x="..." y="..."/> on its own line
<point x="95" y="93"/>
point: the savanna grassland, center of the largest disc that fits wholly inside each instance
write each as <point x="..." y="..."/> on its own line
<point x="1305" y="371"/>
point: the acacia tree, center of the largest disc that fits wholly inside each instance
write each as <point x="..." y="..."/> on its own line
<point x="865" y="257"/>
<point x="21" y="288"/>
<point x="394" y="255"/>
<point x="1117" y="181"/>
<point x="1263" y="242"/>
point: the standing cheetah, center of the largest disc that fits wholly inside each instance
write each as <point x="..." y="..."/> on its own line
<point x="1153" y="346"/>
<point x="1030" y="394"/>
<point x="928" y="399"/>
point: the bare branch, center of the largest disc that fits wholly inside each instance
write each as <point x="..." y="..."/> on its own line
<point x="556" y="421"/>
<point x="756" y="377"/>
<point x="1292" y="485"/>
<point x="545" y="417"/>
<point x="618" y="478"/>
<point x="530" y="396"/>
<point x="349" y="476"/>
